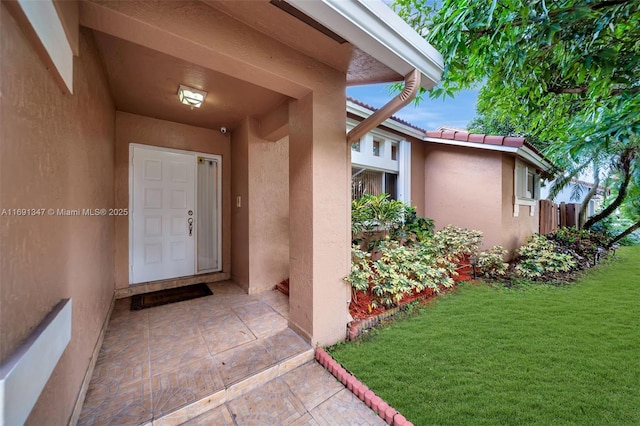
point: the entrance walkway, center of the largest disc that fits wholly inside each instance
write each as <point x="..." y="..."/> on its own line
<point x="223" y="359"/>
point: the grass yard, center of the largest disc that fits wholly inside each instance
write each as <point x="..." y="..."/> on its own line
<point x="539" y="355"/>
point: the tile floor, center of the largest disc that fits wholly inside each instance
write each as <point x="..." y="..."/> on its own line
<point x="307" y="395"/>
<point x="223" y="359"/>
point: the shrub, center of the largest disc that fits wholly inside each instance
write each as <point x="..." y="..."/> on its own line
<point x="584" y="245"/>
<point x="540" y="257"/>
<point x="457" y="242"/>
<point x="375" y="217"/>
<point x="361" y="273"/>
<point x="415" y="228"/>
<point x="400" y="270"/>
<point x="374" y="213"/>
<point x="491" y="262"/>
<point x="409" y="256"/>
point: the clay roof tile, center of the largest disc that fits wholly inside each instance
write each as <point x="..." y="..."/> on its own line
<point x="434" y="133"/>
<point x="461" y="136"/>
<point x="476" y="137"/>
<point x="493" y="140"/>
<point x="513" y="141"/>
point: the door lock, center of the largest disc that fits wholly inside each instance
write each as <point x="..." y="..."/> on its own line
<point x="190" y="222"/>
<point x="190" y="212"/>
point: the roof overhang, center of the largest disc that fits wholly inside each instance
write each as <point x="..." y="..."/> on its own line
<point x="523" y="152"/>
<point x="534" y="158"/>
<point x="374" y="28"/>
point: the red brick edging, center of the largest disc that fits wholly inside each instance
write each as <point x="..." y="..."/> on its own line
<point x="359" y="389"/>
<point x="356" y="328"/>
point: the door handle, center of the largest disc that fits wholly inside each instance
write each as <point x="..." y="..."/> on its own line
<point x="190" y="222"/>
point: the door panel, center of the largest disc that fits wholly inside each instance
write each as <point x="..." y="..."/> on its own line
<point x="163" y="189"/>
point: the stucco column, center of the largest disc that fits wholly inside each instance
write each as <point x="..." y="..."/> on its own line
<point x="319" y="210"/>
<point x="260" y="211"/>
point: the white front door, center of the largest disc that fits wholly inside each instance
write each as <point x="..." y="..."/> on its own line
<point x="162" y="215"/>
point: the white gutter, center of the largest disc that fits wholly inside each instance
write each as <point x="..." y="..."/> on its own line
<point x="501" y="148"/>
<point x="523" y="152"/>
<point x="374" y="28"/>
<point x="531" y="156"/>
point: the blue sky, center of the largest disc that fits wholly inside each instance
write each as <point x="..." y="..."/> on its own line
<point x="430" y="113"/>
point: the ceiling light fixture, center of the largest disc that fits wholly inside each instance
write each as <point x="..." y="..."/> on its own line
<point x="190" y="96"/>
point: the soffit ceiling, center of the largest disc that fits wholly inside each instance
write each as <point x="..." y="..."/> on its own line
<point x="263" y="16"/>
<point x="145" y="82"/>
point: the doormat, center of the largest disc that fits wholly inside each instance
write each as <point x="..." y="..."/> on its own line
<point x="172" y="295"/>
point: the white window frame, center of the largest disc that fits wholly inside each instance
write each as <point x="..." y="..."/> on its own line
<point x="404" y="171"/>
<point x="521" y="174"/>
<point x="401" y="166"/>
<point x="383" y="186"/>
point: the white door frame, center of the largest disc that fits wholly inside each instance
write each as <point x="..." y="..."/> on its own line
<point x="195" y="156"/>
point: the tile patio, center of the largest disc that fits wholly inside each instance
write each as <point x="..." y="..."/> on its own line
<point x="225" y="359"/>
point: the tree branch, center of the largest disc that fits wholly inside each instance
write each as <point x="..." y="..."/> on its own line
<point x="610" y="3"/>
<point x="582" y="89"/>
<point x="631" y="90"/>
<point x="626" y="232"/>
<point x="561" y="90"/>
<point x="626" y="160"/>
<point x="582" y="215"/>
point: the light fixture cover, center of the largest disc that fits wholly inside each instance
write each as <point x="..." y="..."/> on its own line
<point x="190" y="96"/>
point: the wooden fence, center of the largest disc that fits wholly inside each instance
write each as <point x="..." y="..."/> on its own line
<point x="569" y="215"/>
<point x="554" y="216"/>
<point x="548" y="216"/>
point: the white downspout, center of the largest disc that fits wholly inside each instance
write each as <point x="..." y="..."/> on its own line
<point x="411" y="88"/>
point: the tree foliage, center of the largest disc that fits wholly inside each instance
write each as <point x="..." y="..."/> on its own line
<point x="540" y="62"/>
<point x="565" y="73"/>
<point x="491" y="123"/>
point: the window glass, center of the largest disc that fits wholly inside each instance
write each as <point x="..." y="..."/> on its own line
<point x="365" y="181"/>
<point x="391" y="185"/>
<point x="531" y="185"/>
<point x="394" y="152"/>
<point x="355" y="146"/>
<point x="376" y="148"/>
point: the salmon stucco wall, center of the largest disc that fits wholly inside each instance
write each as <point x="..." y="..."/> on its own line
<point x="132" y="128"/>
<point x="260" y="224"/>
<point x="417" y="175"/>
<point x="463" y="187"/>
<point x="515" y="230"/>
<point x="240" y="194"/>
<point x="269" y="216"/>
<point x="56" y="152"/>
<point x="319" y="205"/>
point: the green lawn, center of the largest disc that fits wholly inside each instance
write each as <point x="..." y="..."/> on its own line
<point x="481" y="355"/>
